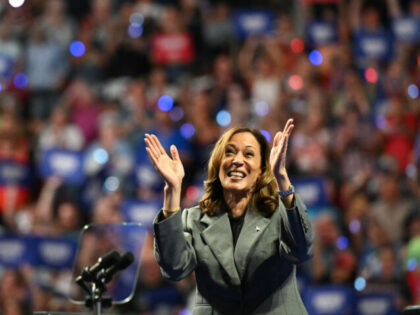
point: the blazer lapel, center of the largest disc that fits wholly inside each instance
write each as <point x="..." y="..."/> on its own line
<point x="253" y="228"/>
<point x="218" y="237"/>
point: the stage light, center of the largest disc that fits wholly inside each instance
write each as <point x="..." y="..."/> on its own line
<point x="165" y="103"/>
<point x="193" y="193"/>
<point x="16" y="3"/>
<point x="381" y="122"/>
<point x="176" y="113"/>
<point x="297" y="45"/>
<point x="295" y="82"/>
<point x="77" y="48"/>
<point x="412" y="264"/>
<point x="261" y="108"/>
<point x="413" y="91"/>
<point x="371" y="75"/>
<point x="315" y="57"/>
<point x="360" y="283"/>
<point x="136" y="18"/>
<point x="342" y="242"/>
<point x="20" y="80"/>
<point x="135" y="30"/>
<point x="223" y="118"/>
<point x="187" y="130"/>
<point x="354" y="226"/>
<point x="266" y="134"/>
<point x="100" y="156"/>
<point x="111" y="184"/>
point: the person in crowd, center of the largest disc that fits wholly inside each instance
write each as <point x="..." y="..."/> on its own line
<point x="247" y="235"/>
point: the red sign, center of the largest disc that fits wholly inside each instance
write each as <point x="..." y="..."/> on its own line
<point x="172" y="48"/>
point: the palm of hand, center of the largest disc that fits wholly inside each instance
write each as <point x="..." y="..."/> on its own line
<point x="279" y="150"/>
<point x="171" y="169"/>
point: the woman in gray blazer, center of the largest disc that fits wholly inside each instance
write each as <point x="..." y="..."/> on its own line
<point x="248" y="233"/>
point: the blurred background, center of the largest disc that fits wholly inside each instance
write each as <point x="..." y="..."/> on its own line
<point x="82" y="81"/>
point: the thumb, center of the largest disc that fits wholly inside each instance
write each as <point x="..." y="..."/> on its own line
<point x="174" y="153"/>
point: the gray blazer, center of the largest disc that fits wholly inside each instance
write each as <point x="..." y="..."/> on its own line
<point x="258" y="276"/>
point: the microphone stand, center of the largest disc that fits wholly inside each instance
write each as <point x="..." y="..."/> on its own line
<point x="96" y="299"/>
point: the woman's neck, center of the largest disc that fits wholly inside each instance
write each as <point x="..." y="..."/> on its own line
<point x="237" y="204"/>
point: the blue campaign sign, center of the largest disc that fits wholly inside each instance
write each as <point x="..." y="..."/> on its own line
<point x="63" y="163"/>
<point x="138" y="211"/>
<point x="14" y="173"/>
<point x="377" y="303"/>
<point x="46" y="252"/>
<point x="329" y="300"/>
<point x="321" y="33"/>
<point x="407" y="29"/>
<point x="253" y="22"/>
<point x="13" y="251"/>
<point x="312" y="191"/>
<point x="6" y="66"/>
<point x="375" y="46"/>
<point x="55" y="253"/>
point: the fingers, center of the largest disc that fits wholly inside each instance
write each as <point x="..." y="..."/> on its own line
<point x="277" y="138"/>
<point x="151" y="148"/>
<point x="281" y="136"/>
<point x="157" y="144"/>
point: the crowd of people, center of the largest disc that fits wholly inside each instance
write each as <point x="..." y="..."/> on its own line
<point x="83" y="81"/>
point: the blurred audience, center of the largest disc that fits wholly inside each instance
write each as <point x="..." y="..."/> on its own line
<point x="90" y="78"/>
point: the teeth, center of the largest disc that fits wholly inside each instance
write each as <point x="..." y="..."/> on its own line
<point x="237" y="174"/>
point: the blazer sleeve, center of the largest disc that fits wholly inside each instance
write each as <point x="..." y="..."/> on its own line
<point x="173" y="245"/>
<point x="300" y="246"/>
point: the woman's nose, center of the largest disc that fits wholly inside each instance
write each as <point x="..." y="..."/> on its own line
<point x="238" y="159"/>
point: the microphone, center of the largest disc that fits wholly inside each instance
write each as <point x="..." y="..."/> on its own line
<point x="125" y="261"/>
<point x="111" y="258"/>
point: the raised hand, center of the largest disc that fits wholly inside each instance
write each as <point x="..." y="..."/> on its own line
<point x="171" y="169"/>
<point x="278" y="155"/>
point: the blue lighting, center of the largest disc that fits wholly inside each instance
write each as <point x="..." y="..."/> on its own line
<point x="223" y="118"/>
<point x="111" y="184"/>
<point x="100" y="156"/>
<point x="354" y="226"/>
<point x="165" y="103"/>
<point x="20" y="80"/>
<point x="135" y="30"/>
<point x="187" y="130"/>
<point x="77" y="48"/>
<point x="360" y="283"/>
<point x="342" y="242"/>
<point x="315" y="57"/>
<point x="266" y="134"/>
<point x="176" y="113"/>
<point x="412" y="264"/>
<point x="1" y="87"/>
<point x="261" y="108"/>
<point x="381" y="122"/>
<point x="184" y="311"/>
<point x="136" y="18"/>
<point x="413" y="91"/>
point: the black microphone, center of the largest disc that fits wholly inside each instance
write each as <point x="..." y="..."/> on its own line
<point x="125" y="261"/>
<point x="111" y="258"/>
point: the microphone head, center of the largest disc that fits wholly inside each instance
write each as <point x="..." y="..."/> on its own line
<point x="126" y="260"/>
<point x="109" y="259"/>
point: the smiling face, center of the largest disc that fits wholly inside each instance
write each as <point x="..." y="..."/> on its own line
<point x="241" y="163"/>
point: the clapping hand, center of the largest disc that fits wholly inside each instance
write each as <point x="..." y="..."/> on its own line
<point x="171" y="169"/>
<point x="278" y="155"/>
